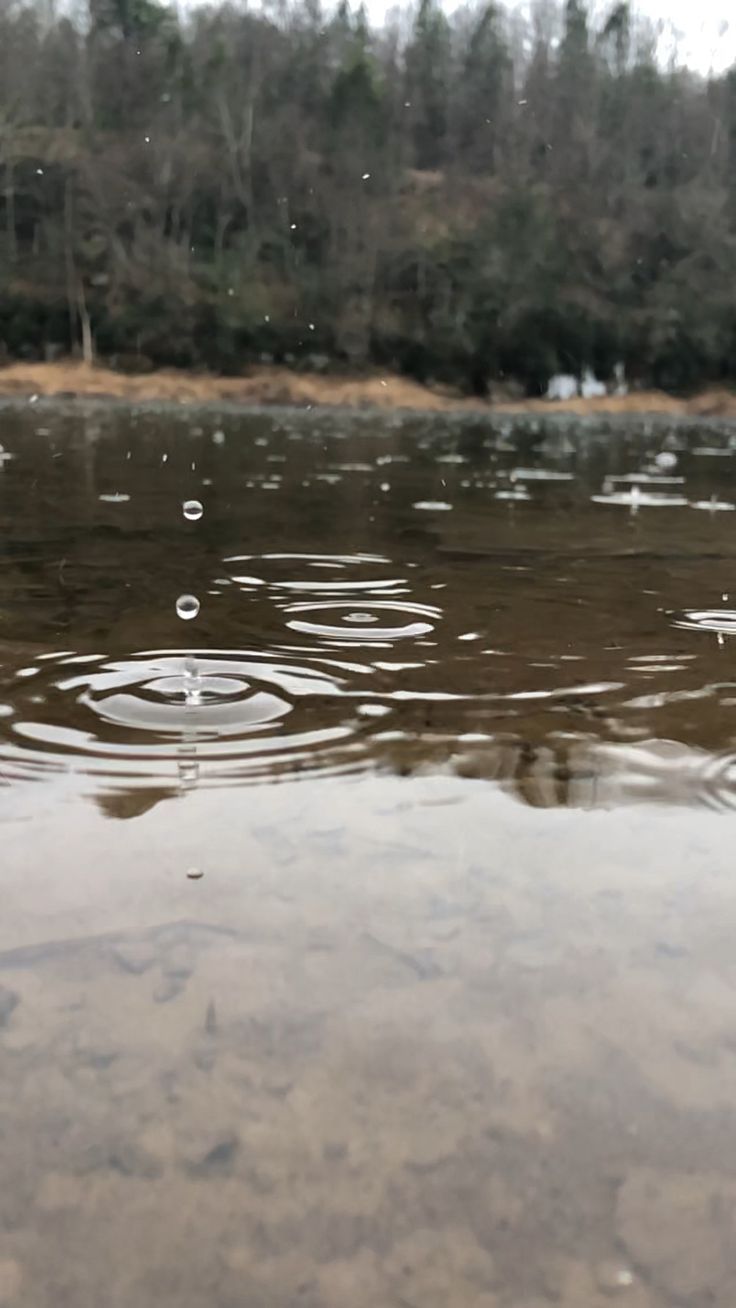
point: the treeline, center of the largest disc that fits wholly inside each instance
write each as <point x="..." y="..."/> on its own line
<point x="467" y="199"/>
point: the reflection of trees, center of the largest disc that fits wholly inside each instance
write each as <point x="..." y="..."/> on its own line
<point x="585" y="773"/>
<point x="133" y="803"/>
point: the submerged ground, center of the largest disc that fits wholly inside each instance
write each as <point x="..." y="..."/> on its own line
<point x="391" y="962"/>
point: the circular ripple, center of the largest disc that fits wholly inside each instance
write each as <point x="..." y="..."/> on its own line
<point x="338" y="622"/>
<point x="148" y="717"/>
<point x="721" y="621"/>
<point x="346" y="599"/>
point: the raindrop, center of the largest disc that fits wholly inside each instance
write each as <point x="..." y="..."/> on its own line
<point x="192" y="510"/>
<point x="365" y="177"/>
<point x="611" y="1278"/>
<point x="218" y="437"/>
<point x="666" y="459"/>
<point x="187" y="607"/>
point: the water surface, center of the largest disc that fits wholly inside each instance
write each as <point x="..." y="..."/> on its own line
<point x="395" y="965"/>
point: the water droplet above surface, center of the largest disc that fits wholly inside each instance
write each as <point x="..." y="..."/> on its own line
<point x="192" y="510"/>
<point x="666" y="459"/>
<point x="187" y="607"/>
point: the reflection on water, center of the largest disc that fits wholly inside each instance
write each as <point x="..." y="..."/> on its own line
<point x="341" y="627"/>
<point x="446" y="1016"/>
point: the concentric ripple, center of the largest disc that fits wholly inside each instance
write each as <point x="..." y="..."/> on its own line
<point x="244" y="715"/>
<point x="339" y="600"/>
<point x="720" y="621"/>
<point x="341" y="623"/>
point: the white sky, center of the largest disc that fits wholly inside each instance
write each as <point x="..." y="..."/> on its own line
<point x="707" y="36"/>
<point x="703" y="31"/>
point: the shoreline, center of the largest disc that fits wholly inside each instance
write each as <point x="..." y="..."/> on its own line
<point x="68" y="379"/>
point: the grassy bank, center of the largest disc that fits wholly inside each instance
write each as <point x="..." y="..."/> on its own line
<point x="281" y="386"/>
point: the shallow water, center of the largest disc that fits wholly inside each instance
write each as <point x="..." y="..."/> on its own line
<point x="383" y="955"/>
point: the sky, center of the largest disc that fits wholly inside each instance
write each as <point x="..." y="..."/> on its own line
<point x="706" y="37"/>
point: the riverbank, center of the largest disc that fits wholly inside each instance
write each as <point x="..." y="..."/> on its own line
<point x="274" y="385"/>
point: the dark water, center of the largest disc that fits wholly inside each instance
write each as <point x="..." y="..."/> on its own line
<point x="388" y="961"/>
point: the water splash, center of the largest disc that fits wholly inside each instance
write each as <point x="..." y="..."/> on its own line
<point x="219" y="716"/>
<point x="636" y="499"/>
<point x="713" y="505"/>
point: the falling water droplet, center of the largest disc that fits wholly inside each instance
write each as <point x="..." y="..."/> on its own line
<point x="192" y="681"/>
<point x="192" y="510"/>
<point x="218" y="437"/>
<point x="187" y="607"/>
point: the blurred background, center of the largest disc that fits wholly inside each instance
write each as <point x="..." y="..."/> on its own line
<point x="479" y="197"/>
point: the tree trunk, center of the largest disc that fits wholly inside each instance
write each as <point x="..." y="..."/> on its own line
<point x="69" y="264"/>
<point x="88" y="351"/>
<point x="12" y="242"/>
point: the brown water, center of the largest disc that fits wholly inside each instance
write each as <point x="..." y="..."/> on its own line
<point x="447" y="1017"/>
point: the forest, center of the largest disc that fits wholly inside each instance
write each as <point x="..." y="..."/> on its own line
<point x="480" y="200"/>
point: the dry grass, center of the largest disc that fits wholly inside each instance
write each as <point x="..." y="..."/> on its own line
<point x="281" y="386"/>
